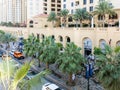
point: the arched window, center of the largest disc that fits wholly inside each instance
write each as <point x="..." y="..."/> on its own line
<point x="87" y="46"/>
<point x="102" y="44"/>
<point x="31" y="22"/>
<point x="70" y="19"/>
<point x="53" y="37"/>
<point x="118" y="43"/>
<point x="68" y="39"/>
<point x="100" y="17"/>
<point x="42" y="36"/>
<point x="38" y="36"/>
<point x="113" y="16"/>
<point x="60" y="38"/>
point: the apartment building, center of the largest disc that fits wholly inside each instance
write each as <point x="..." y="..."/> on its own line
<point x="13" y="11"/>
<point x="89" y="5"/>
<point x="51" y="5"/>
<point x="36" y="7"/>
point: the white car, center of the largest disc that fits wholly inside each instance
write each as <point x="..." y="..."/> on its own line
<point x="50" y="86"/>
<point x="12" y="52"/>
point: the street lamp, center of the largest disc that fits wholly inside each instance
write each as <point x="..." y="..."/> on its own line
<point x="89" y="71"/>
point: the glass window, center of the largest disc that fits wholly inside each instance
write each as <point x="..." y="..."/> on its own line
<point x="84" y="2"/>
<point x="84" y="8"/>
<point x="91" y="8"/>
<point x="64" y="5"/>
<point x="64" y="0"/>
<point x="72" y="11"/>
<point x="91" y="1"/>
<point x="72" y="4"/>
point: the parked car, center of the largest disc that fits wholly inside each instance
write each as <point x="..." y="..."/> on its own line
<point x="18" y="55"/>
<point x="50" y="86"/>
<point x="6" y="57"/>
<point x="11" y="52"/>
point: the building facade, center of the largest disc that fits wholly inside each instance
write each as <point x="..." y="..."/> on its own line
<point x="89" y="6"/>
<point x="86" y="38"/>
<point x="13" y="11"/>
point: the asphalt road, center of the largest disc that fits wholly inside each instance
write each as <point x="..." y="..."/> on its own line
<point x="43" y="80"/>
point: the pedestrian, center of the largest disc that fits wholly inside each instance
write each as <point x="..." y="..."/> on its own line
<point x="73" y="77"/>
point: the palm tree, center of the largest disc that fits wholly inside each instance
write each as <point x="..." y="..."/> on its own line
<point x="30" y="45"/>
<point x="109" y="69"/>
<point x="70" y="60"/>
<point x="52" y="18"/>
<point x="6" y="38"/>
<point x="10" y="76"/>
<point x="64" y="14"/>
<point x="102" y="9"/>
<point x="50" y="51"/>
<point x="81" y="15"/>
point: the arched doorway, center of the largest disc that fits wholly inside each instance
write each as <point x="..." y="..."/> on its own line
<point x="87" y="46"/>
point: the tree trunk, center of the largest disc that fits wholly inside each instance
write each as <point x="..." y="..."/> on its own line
<point x="53" y="24"/>
<point x="80" y="23"/>
<point x="70" y="79"/>
<point x="47" y="65"/>
<point x="64" y="21"/>
<point x="39" y="63"/>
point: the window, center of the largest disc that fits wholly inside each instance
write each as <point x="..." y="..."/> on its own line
<point x="68" y="39"/>
<point x="91" y="8"/>
<point x="77" y="3"/>
<point x="61" y="38"/>
<point x="70" y="19"/>
<point x="64" y="6"/>
<point x="72" y="4"/>
<point x="91" y="1"/>
<point x="64" y="0"/>
<point x="100" y="17"/>
<point x="113" y="16"/>
<point x="84" y="8"/>
<point x="53" y="0"/>
<point x="84" y="2"/>
<point x="72" y="11"/>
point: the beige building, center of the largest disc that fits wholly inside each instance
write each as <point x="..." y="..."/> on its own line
<point x="39" y="21"/>
<point x="86" y="38"/>
<point x="89" y="5"/>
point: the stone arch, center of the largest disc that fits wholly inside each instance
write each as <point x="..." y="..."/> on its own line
<point x="68" y="39"/>
<point x="87" y="46"/>
<point x="60" y="38"/>
<point x="118" y="43"/>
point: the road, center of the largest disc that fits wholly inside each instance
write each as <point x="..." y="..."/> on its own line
<point x="43" y="80"/>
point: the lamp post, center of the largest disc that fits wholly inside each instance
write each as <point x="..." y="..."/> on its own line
<point x="89" y="71"/>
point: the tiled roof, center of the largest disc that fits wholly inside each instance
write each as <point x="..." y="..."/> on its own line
<point x="41" y="15"/>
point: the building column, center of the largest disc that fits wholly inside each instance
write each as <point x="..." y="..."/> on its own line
<point x="92" y="23"/>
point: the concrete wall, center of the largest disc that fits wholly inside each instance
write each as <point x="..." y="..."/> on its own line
<point x="76" y="35"/>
